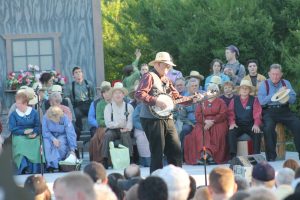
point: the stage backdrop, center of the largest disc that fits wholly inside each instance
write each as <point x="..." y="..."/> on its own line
<point x="53" y="34"/>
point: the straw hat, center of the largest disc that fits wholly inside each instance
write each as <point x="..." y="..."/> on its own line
<point x="56" y="88"/>
<point x="216" y="80"/>
<point x="119" y="86"/>
<point x="30" y="93"/>
<point x="245" y="82"/>
<point x="163" y="57"/>
<point x="104" y="84"/>
<point x="54" y="113"/>
<point x="281" y="96"/>
<point x="195" y="74"/>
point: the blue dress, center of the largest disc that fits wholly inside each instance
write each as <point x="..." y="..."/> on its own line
<point x="26" y="151"/>
<point x="62" y="131"/>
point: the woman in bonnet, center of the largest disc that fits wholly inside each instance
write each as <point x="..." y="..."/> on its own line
<point x="59" y="137"/>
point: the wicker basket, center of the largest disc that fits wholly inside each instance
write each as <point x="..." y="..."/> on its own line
<point x="68" y="167"/>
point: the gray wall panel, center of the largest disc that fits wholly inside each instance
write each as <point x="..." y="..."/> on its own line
<point x="71" y="18"/>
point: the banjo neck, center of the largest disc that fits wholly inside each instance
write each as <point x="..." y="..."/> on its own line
<point x="199" y="96"/>
<point x="184" y="99"/>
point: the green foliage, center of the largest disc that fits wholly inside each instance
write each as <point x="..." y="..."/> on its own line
<point x="196" y="32"/>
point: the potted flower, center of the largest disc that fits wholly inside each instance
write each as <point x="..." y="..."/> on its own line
<point x="58" y="78"/>
<point x="12" y="81"/>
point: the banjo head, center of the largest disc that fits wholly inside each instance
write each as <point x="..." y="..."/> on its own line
<point x="163" y="113"/>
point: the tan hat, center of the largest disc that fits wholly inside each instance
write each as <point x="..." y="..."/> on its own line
<point x="54" y="113"/>
<point x="245" y="82"/>
<point x="216" y="80"/>
<point x="119" y="86"/>
<point x="163" y="57"/>
<point x="195" y="74"/>
<point x="30" y="93"/>
<point x="56" y="88"/>
<point x="104" y="84"/>
<point x="281" y="96"/>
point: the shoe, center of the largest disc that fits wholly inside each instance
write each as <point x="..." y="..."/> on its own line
<point x="71" y="159"/>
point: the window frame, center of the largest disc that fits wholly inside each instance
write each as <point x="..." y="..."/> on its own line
<point x="55" y="37"/>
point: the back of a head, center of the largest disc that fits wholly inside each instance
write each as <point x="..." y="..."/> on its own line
<point x="103" y="192"/>
<point x="263" y="174"/>
<point x="36" y="184"/>
<point x="240" y="195"/>
<point x="193" y="187"/>
<point x="131" y="171"/>
<point x="284" y="176"/>
<point x="113" y="184"/>
<point x="177" y="181"/>
<point x="292" y="164"/>
<point x="132" y="193"/>
<point x="261" y="193"/>
<point x="241" y="182"/>
<point x="221" y="180"/>
<point x="153" y="188"/>
<point x="96" y="171"/>
<point x="77" y="182"/>
<point x="202" y="194"/>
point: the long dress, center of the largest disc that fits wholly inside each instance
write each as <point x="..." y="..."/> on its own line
<point x="62" y="131"/>
<point x="26" y="151"/>
<point x="215" y="138"/>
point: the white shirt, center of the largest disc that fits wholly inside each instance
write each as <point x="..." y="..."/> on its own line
<point x="119" y="117"/>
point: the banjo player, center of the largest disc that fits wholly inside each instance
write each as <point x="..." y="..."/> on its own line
<point x="161" y="132"/>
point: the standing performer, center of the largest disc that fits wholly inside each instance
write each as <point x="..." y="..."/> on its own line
<point x="161" y="133"/>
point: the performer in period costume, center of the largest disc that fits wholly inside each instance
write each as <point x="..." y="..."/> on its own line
<point x="59" y="137"/>
<point x="24" y="126"/>
<point x="161" y="133"/>
<point x="215" y="132"/>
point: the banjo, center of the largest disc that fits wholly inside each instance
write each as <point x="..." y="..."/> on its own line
<point x="171" y="103"/>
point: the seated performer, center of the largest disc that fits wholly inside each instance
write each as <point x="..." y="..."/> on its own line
<point x="216" y="66"/>
<point x="277" y="111"/>
<point x="253" y="76"/>
<point x="215" y="129"/>
<point x="24" y="126"/>
<point x="59" y="137"/>
<point x="187" y="113"/>
<point x="118" y="121"/>
<point x="97" y="139"/>
<point x="228" y="89"/>
<point x="244" y="115"/>
<point x="55" y="99"/>
<point x="65" y="101"/>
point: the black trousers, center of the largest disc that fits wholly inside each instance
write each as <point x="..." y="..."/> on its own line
<point x="272" y="116"/>
<point x="81" y="110"/>
<point x="112" y="135"/>
<point x="237" y="132"/>
<point x="163" y="139"/>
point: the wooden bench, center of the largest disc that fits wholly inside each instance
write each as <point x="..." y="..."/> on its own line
<point x="280" y="146"/>
<point x="244" y="145"/>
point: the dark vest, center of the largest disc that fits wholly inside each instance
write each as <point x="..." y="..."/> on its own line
<point x="243" y="116"/>
<point x="157" y="88"/>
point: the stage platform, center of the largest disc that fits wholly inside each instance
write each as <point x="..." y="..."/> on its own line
<point x="197" y="171"/>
